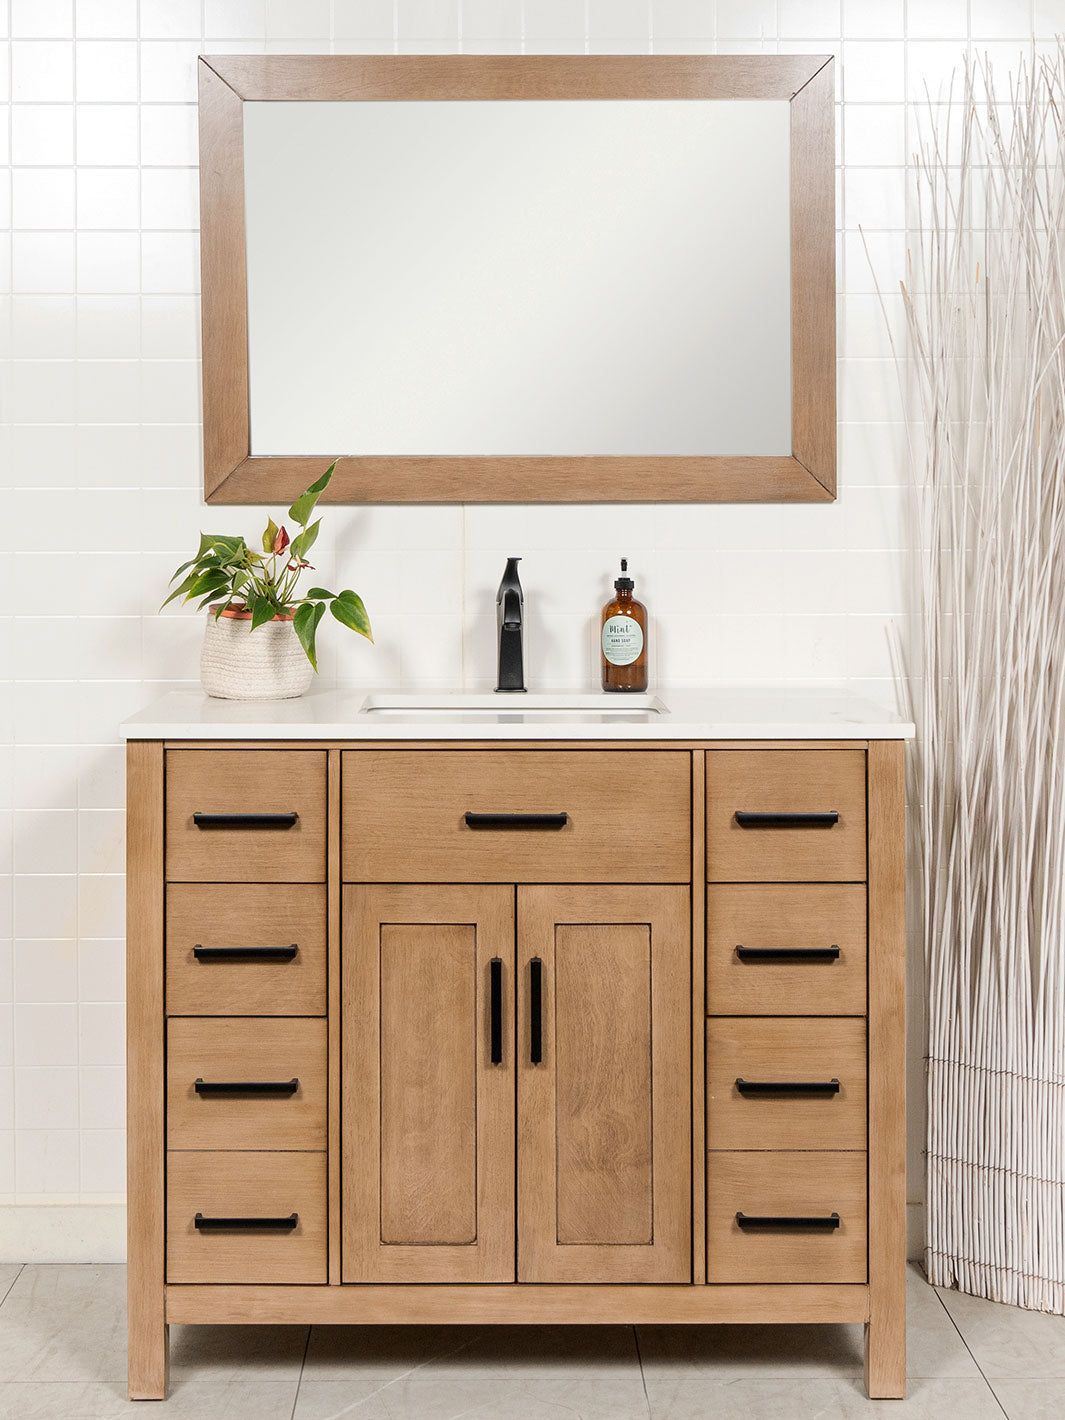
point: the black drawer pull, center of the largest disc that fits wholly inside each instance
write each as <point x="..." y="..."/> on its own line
<point x="516" y="820"/>
<point x="756" y="1223"/>
<point x="246" y="1225"/>
<point x="536" y="1011"/>
<point x="746" y="819"/>
<point x="496" y="1009"/>
<point x="787" y="953"/>
<point x="244" y="953"/>
<point x="787" y="1087"/>
<point x="247" y="1087"/>
<point x="245" y="820"/>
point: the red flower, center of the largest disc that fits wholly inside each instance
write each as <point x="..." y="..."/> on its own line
<point x="281" y="541"/>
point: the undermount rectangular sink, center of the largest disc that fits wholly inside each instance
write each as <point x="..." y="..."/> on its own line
<point x="511" y="703"/>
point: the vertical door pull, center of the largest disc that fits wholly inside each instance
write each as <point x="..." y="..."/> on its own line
<point x="536" y="1011"/>
<point x="496" y="1009"/>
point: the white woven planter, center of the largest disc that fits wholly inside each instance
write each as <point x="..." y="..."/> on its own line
<point x="240" y="664"/>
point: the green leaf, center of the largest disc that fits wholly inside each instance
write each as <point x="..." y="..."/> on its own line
<point x="262" y="611"/>
<point x="304" y="541"/>
<point x="303" y="507"/>
<point x="318" y="594"/>
<point x="349" y="611"/>
<point x="306" y="624"/>
<point x="211" y="581"/>
<point x="269" y="535"/>
<point x="182" y="591"/>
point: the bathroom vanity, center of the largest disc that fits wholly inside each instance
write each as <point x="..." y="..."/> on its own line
<point x="572" y="1011"/>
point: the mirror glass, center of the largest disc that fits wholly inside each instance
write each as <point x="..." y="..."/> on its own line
<point x="511" y="277"/>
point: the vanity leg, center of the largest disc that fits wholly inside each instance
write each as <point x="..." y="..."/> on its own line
<point x="885" y="1356"/>
<point x="145" y="1089"/>
<point x="885" y="1331"/>
<point x="149" y="1358"/>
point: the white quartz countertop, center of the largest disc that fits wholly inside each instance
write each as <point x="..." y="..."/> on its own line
<point x="725" y="712"/>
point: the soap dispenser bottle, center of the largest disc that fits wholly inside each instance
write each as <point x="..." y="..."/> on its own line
<point x="623" y="638"/>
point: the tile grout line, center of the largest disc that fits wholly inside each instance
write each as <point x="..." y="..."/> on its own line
<point x="18" y="1274"/>
<point x="968" y="1348"/>
<point x="643" y="1378"/>
<point x="299" y="1378"/>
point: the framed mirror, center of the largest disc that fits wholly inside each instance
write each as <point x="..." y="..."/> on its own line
<point x="518" y="279"/>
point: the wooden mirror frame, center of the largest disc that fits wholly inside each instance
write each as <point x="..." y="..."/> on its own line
<point x="233" y="475"/>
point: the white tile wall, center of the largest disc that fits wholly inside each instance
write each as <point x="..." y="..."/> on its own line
<point x="100" y="464"/>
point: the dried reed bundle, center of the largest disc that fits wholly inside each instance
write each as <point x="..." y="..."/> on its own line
<point x="985" y="305"/>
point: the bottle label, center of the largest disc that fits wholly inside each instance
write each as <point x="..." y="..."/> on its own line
<point x="622" y="640"/>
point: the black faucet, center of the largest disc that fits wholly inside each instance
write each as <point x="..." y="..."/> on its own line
<point x="510" y="619"/>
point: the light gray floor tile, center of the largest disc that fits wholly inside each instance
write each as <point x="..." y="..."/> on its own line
<point x="206" y="1398"/>
<point x="689" y="1352"/>
<point x="1031" y="1400"/>
<point x="501" y="1398"/>
<point x="748" y="1399"/>
<point x="518" y="1352"/>
<point x="933" y="1347"/>
<point x="64" y="1323"/>
<point x="8" y="1273"/>
<point x="1009" y="1342"/>
<point x="269" y="1353"/>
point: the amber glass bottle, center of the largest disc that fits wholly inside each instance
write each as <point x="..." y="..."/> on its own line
<point x="623" y="638"/>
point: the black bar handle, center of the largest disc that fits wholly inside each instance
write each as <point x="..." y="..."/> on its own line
<point x="516" y="820"/>
<point x="754" y="1222"/>
<point x="202" y="953"/>
<point x="496" y="1009"/>
<point x="247" y="1087"/>
<point x="245" y="820"/>
<point x="536" y="1011"/>
<point x="747" y="819"/>
<point x="246" y="1225"/>
<point x="787" y="953"/>
<point x="787" y="1087"/>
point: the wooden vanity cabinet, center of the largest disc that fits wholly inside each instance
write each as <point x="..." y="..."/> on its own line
<point x="528" y="1033"/>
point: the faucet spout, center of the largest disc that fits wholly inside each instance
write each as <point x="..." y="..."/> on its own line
<point x="510" y="625"/>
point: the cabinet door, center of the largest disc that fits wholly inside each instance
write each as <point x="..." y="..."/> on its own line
<point x="604" y="1116"/>
<point x="427" y="1117"/>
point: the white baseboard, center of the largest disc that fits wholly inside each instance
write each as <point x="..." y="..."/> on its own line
<point x="63" y="1232"/>
<point x="96" y="1232"/>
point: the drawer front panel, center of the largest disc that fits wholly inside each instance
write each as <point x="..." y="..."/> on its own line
<point x="229" y="949"/>
<point x="285" y="791"/>
<point x="627" y="816"/>
<point x="745" y="1057"/>
<point x="238" y="1190"/>
<point x="249" y="1053"/>
<point x="785" y="816"/>
<point x="794" y="1193"/>
<point x="802" y="949"/>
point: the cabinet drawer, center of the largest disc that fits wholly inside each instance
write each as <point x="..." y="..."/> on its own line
<point x="272" y="1208"/>
<point x="247" y="1054"/>
<point x="763" y="1212"/>
<point x="245" y="949"/>
<point x="599" y="816"/>
<point x="785" y="949"/>
<point x="785" y="815"/>
<point x="744" y="1057"/>
<point x="208" y="790"/>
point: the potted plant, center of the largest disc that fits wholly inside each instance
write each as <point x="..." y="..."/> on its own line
<point x="259" y="643"/>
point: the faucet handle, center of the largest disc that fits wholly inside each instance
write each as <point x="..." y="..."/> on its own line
<point x="511" y="610"/>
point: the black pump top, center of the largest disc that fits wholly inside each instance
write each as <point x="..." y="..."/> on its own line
<point x="623" y="583"/>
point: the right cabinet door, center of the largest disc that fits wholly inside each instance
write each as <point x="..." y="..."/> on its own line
<point x="604" y="1084"/>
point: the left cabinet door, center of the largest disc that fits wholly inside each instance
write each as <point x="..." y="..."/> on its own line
<point x="427" y="1111"/>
